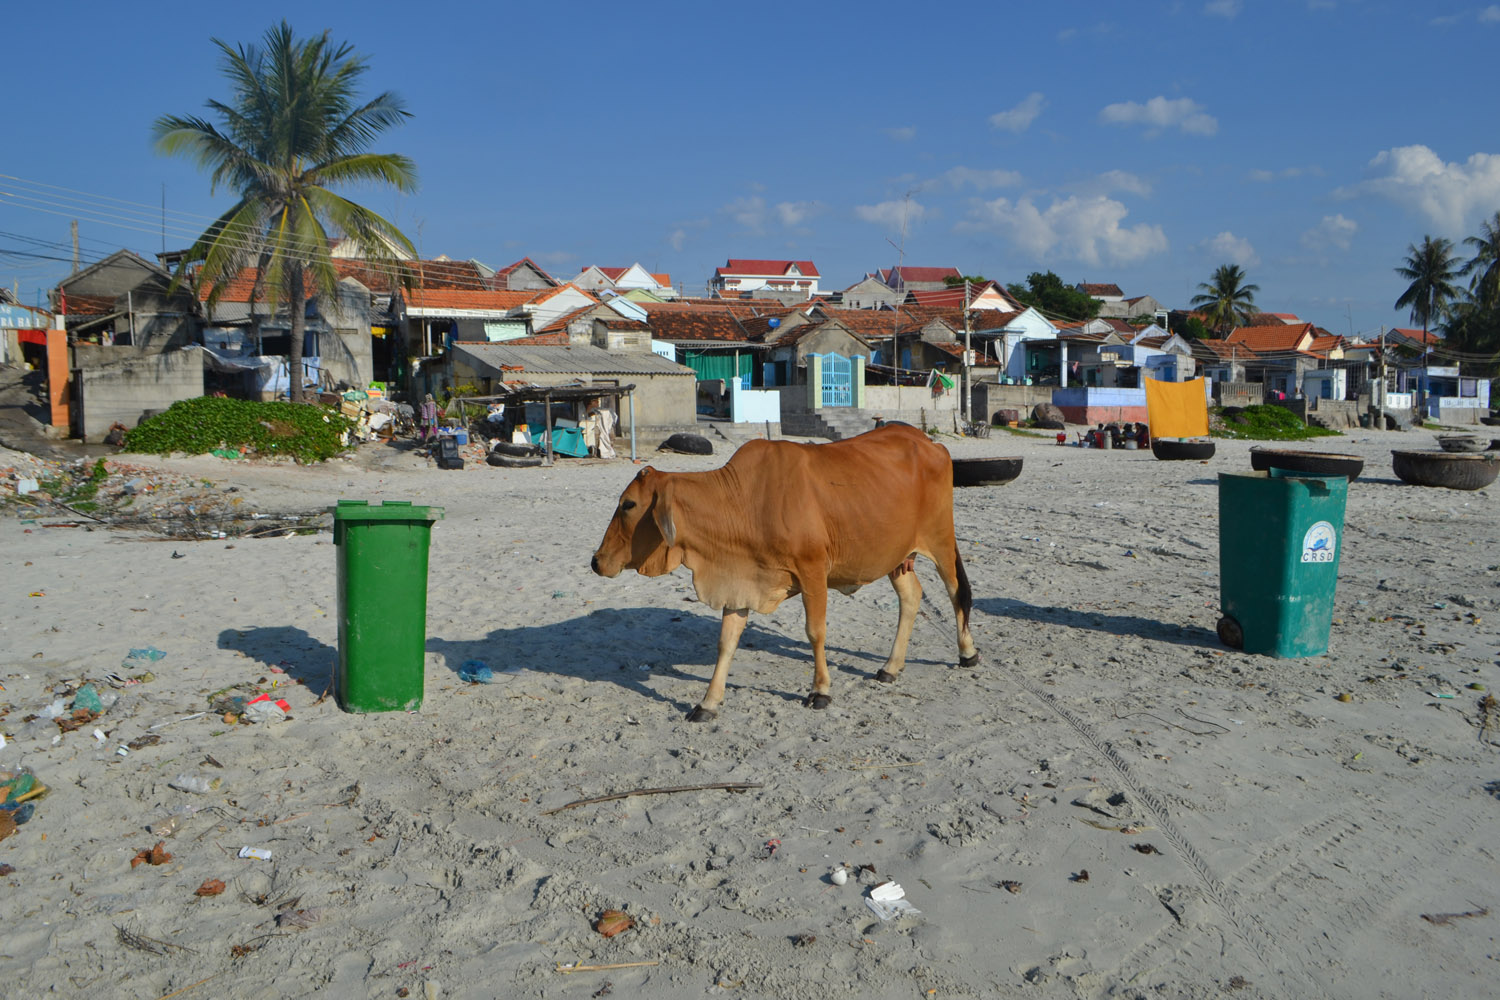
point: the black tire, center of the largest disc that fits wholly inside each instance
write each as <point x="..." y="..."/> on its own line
<point x="1230" y="633"/>
<point x="514" y="461"/>
<point x="517" y="450"/>
<point x="687" y="444"/>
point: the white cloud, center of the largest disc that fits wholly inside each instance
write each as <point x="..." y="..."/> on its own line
<point x="1266" y="176"/>
<point x="1160" y="113"/>
<point x="677" y="238"/>
<point x="1120" y="180"/>
<point x="554" y="258"/>
<point x="1490" y="14"/>
<point x="792" y="213"/>
<point x="1083" y="229"/>
<point x="1222" y="8"/>
<point x="1447" y="194"/>
<point x="891" y="213"/>
<point x="748" y="212"/>
<point x="1332" y="231"/>
<point x="1020" y="117"/>
<point x="1235" y="249"/>
<point x="981" y="180"/>
<point x="905" y="133"/>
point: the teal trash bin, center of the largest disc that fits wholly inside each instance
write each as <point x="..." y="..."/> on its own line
<point x="1280" y="536"/>
<point x="382" y="581"/>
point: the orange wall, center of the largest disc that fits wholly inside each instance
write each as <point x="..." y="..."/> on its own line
<point x="57" y="376"/>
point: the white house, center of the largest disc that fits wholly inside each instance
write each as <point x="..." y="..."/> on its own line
<point x="738" y="275"/>
<point x="622" y="279"/>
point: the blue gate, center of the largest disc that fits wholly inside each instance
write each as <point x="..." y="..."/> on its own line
<point x="838" y="380"/>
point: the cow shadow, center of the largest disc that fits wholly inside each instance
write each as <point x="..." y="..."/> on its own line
<point x="1099" y="621"/>
<point x="610" y="645"/>
<point x="306" y="660"/>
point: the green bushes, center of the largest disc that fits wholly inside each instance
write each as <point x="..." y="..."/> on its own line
<point x="198" y="426"/>
<point x="1264" y="423"/>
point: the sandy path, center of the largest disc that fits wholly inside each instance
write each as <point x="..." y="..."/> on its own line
<point x="1298" y="838"/>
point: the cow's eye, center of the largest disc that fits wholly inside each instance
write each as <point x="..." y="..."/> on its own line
<point x="627" y="505"/>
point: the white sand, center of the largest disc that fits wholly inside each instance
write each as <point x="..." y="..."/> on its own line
<point x="1301" y="838"/>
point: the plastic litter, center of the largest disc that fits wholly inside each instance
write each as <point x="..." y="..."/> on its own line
<point x="194" y="783"/>
<point x="475" y="672"/>
<point x="139" y="657"/>
<point x="258" y="853"/>
<point x="87" y="697"/>
<point x="25" y="486"/>
<point x="888" y="901"/>
<point x="263" y="709"/>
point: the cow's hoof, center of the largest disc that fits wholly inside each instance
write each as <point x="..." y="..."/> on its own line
<point x="701" y="714"/>
<point x="816" y="700"/>
<point x="886" y="677"/>
<point x="969" y="661"/>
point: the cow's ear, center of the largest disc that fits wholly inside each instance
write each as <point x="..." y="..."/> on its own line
<point x="664" y="513"/>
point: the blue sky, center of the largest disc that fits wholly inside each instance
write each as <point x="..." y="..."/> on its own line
<point x="1309" y="141"/>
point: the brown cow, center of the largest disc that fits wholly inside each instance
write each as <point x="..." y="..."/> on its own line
<point x="781" y="519"/>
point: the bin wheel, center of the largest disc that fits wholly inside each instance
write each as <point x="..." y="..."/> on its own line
<point x="1230" y="633"/>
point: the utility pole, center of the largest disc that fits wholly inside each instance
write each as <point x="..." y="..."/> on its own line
<point x="75" y="246"/>
<point x="968" y="380"/>
<point x="1382" y="377"/>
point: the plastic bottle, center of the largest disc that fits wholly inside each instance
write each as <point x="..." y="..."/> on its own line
<point x="191" y="783"/>
<point x="171" y="821"/>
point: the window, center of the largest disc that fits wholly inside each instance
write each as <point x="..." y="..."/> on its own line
<point x="1468" y="387"/>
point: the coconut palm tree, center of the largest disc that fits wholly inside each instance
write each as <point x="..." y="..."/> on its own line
<point x="1431" y="270"/>
<point x="293" y="130"/>
<point x="1226" y="301"/>
<point x="1484" y="286"/>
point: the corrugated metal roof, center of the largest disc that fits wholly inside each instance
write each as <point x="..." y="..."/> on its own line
<point x="580" y="359"/>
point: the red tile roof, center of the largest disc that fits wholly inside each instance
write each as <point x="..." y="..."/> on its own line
<point x="698" y="324"/>
<point x="451" y="298"/>
<point x="505" y="271"/>
<point x="764" y="268"/>
<point x="1424" y="337"/>
<point x="538" y="297"/>
<point x="1222" y="349"/>
<point x="100" y="305"/>
<point x="1262" y="339"/>
<point x="551" y="338"/>
<point x="909" y="274"/>
<point x="1097" y="290"/>
<point x="430" y="274"/>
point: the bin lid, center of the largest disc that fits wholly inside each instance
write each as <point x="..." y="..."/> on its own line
<point x="388" y="510"/>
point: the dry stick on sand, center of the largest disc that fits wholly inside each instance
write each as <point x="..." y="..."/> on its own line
<point x="1448" y="918"/>
<point x="728" y="786"/>
<point x="566" y="969"/>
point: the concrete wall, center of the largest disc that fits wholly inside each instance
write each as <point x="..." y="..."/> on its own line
<point x="991" y="396"/>
<point x="1100" y="406"/>
<point x="753" y="406"/>
<point x="123" y="392"/>
<point x="888" y="399"/>
<point x="1238" y="393"/>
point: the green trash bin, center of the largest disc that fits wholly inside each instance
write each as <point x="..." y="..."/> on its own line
<point x="1279" y="541"/>
<point x="382" y="579"/>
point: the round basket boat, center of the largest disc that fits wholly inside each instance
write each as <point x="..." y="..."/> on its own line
<point x="1177" y="450"/>
<point x="1319" y="463"/>
<point x="985" y="471"/>
<point x="1442" y="468"/>
<point x="1462" y="443"/>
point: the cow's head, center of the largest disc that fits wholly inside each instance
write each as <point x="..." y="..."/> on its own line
<point x="642" y="534"/>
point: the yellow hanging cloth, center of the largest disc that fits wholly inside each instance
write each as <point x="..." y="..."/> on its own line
<point x="1176" y="409"/>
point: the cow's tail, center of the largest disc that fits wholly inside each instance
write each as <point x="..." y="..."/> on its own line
<point x="965" y="594"/>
